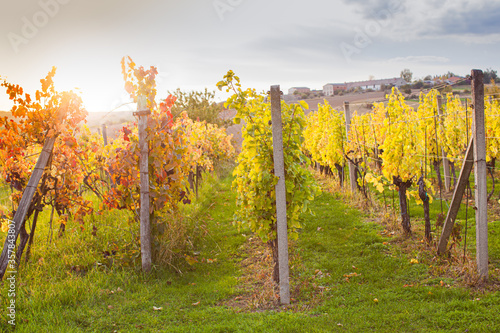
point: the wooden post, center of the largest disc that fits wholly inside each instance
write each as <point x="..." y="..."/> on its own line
<point x="25" y="202"/>
<point x="105" y="134"/>
<point x="352" y="169"/>
<point x="105" y="140"/>
<point x="197" y="179"/>
<point x="446" y="163"/>
<point x="458" y="194"/>
<point x="481" y="192"/>
<point x="143" y="114"/>
<point x="476" y="156"/>
<point x="279" y="171"/>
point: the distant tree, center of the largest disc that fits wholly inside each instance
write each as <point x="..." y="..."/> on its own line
<point x="446" y="89"/>
<point x="448" y="75"/>
<point x="418" y="84"/>
<point x="492" y="90"/>
<point x="428" y="78"/>
<point x="406" y="75"/>
<point x="199" y="105"/>
<point x="371" y="77"/>
<point x="405" y="89"/>
<point x="490" y="74"/>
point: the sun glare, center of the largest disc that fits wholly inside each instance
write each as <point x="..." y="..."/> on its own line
<point x="96" y="97"/>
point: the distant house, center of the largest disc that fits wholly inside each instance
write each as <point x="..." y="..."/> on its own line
<point x="377" y="84"/>
<point x="329" y="89"/>
<point x="453" y="80"/>
<point x="299" y="90"/>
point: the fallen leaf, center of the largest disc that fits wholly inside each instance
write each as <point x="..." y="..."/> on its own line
<point x="157" y="309"/>
<point x="191" y="260"/>
<point x="196" y="303"/>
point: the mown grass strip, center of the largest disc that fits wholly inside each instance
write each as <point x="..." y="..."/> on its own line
<point x="347" y="277"/>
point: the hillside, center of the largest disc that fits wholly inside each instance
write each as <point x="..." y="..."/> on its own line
<point x="114" y="121"/>
<point x="5" y="114"/>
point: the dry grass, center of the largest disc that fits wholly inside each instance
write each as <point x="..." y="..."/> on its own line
<point x="173" y="237"/>
<point x="257" y="290"/>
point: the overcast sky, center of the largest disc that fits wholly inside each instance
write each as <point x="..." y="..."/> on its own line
<point x="194" y="42"/>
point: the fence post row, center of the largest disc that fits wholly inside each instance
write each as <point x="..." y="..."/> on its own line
<point x="279" y="171"/>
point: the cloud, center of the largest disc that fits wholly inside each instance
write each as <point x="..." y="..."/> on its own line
<point x="411" y="20"/>
<point x="476" y="39"/>
<point x="419" y="59"/>
<point x="480" y="20"/>
<point x="374" y="9"/>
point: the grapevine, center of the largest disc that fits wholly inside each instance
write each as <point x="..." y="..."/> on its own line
<point x="255" y="181"/>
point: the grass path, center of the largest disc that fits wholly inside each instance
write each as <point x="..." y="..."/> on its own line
<point x="349" y="279"/>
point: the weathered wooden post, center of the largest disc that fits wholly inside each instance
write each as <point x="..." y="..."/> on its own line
<point x="22" y="210"/>
<point x="197" y="179"/>
<point x="475" y="156"/>
<point x="481" y="192"/>
<point x="458" y="194"/>
<point x="143" y="114"/>
<point x="279" y="171"/>
<point x="105" y="134"/>
<point x="446" y="163"/>
<point x="352" y="169"/>
<point x="105" y="141"/>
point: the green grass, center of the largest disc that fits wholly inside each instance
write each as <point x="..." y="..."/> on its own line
<point x="465" y="217"/>
<point x="67" y="291"/>
<point x="382" y="273"/>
